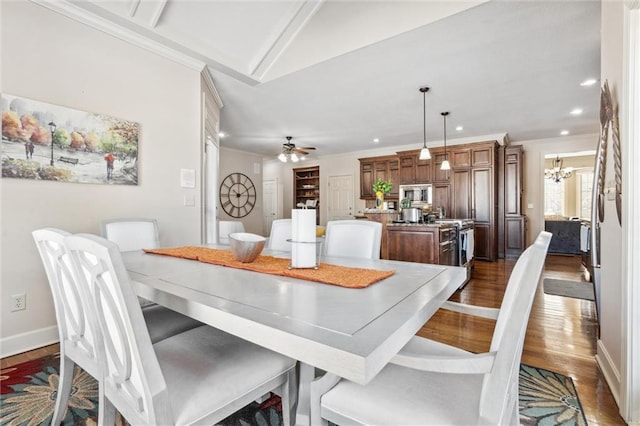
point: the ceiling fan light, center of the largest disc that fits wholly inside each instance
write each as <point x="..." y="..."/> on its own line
<point x="425" y="154"/>
<point x="282" y="157"/>
<point x="294" y="158"/>
<point x="445" y="165"/>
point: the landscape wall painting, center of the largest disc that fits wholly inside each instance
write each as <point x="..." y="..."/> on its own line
<point x="41" y="141"/>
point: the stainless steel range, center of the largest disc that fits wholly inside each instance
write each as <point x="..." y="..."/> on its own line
<point x="466" y="242"/>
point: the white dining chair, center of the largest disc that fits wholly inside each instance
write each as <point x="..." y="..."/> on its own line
<point x="200" y="376"/>
<point x="226" y="227"/>
<point x="430" y="383"/>
<point x="76" y="331"/>
<point x="353" y="238"/>
<point x="280" y="233"/>
<point x="132" y="234"/>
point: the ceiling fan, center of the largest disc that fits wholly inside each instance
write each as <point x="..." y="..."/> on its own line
<point x="290" y="152"/>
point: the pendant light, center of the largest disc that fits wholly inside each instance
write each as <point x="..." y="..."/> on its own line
<point x="445" y="164"/>
<point x="424" y="152"/>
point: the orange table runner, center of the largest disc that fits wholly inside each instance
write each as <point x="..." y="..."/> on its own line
<point x="343" y="276"/>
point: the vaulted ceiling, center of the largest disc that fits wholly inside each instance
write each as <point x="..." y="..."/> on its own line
<point x="337" y="74"/>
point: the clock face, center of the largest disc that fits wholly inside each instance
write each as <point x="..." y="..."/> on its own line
<point x="237" y="195"/>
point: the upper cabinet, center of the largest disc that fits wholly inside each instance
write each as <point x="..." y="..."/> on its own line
<point x="412" y="169"/>
<point x="374" y="168"/>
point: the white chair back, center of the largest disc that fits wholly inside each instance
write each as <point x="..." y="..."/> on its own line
<point x="76" y="328"/>
<point x="131" y="234"/>
<point x="499" y="397"/>
<point x="226" y="227"/>
<point x="353" y="238"/>
<point x="280" y="233"/>
<point x="422" y="383"/>
<point x="133" y="381"/>
<point x="198" y="377"/>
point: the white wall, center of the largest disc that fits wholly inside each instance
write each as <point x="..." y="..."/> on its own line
<point x="48" y="57"/>
<point x="609" y="354"/>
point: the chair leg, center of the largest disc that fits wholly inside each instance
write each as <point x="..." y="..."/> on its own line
<point x="286" y="401"/>
<point x="106" y="410"/>
<point x="67" y="368"/>
<point x="293" y="393"/>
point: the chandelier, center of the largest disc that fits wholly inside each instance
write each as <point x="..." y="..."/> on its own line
<point x="557" y="173"/>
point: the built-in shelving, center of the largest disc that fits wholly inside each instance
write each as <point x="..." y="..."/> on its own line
<point x="306" y="188"/>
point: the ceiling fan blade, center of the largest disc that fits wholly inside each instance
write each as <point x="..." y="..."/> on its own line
<point x="307" y="147"/>
<point x="300" y="151"/>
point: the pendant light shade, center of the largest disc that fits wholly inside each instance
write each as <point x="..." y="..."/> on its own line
<point x="445" y="164"/>
<point x="424" y="152"/>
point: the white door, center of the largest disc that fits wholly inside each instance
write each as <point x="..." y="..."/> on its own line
<point x="340" y="205"/>
<point x="269" y="203"/>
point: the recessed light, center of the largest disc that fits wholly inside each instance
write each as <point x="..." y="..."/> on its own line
<point x="221" y="134"/>
<point x="589" y="82"/>
<point x="459" y="128"/>
<point x="376" y="140"/>
<point x="564" y="132"/>
<point x="576" y="111"/>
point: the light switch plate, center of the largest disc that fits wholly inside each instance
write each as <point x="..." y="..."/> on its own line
<point x="190" y="200"/>
<point x="530" y="205"/>
<point x="187" y="178"/>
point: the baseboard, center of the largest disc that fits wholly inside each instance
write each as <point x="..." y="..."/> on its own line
<point x="28" y="341"/>
<point x="609" y="371"/>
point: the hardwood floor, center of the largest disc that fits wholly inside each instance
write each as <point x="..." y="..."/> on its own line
<point x="561" y="335"/>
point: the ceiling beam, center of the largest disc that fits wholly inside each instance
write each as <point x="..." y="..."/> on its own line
<point x="299" y="19"/>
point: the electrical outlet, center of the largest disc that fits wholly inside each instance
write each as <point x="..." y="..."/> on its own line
<point x="18" y="302"/>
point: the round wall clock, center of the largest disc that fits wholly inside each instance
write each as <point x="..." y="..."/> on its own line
<point x="237" y="195"/>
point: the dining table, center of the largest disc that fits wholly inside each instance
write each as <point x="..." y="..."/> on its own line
<point x="350" y="332"/>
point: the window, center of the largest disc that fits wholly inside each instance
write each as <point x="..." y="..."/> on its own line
<point x="553" y="198"/>
<point x="585" y="186"/>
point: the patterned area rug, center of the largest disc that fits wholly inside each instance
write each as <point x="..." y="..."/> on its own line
<point x="28" y="394"/>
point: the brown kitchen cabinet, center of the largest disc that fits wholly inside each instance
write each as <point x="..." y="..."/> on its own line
<point x="483" y="210"/>
<point x="460" y="157"/>
<point x="407" y="162"/>
<point x="422" y="243"/>
<point x="437" y="157"/>
<point x="513" y="178"/>
<point x="374" y="168"/>
<point x="515" y="236"/>
<point x="442" y="197"/>
<point x="412" y="169"/>
<point x="423" y="171"/>
<point x="512" y="221"/>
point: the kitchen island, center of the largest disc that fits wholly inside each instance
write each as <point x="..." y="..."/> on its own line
<point x="422" y="242"/>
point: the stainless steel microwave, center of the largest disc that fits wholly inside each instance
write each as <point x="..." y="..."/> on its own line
<point x="419" y="194"/>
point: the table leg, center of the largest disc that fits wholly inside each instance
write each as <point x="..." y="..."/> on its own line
<point x="307" y="374"/>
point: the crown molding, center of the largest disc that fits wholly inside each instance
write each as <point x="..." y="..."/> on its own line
<point x="84" y="16"/>
<point x="208" y="80"/>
